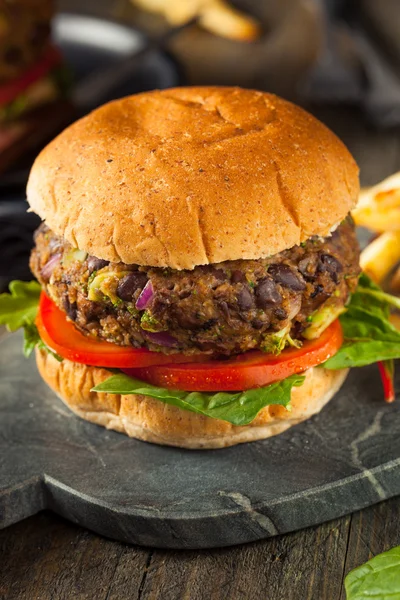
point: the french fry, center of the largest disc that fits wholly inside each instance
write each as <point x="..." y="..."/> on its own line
<point x="378" y="208"/>
<point x="217" y="16"/>
<point x="381" y="255"/>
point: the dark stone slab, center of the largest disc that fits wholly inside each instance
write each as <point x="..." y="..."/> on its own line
<point x="344" y="459"/>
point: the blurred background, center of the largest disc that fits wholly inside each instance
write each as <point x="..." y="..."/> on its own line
<point x="58" y="60"/>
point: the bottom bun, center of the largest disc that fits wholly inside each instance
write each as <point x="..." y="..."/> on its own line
<point x="151" y="420"/>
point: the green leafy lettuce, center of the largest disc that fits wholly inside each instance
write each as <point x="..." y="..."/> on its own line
<point x="369" y="337"/>
<point x="378" y="578"/>
<point x="238" y="408"/>
<point x="18" y="310"/>
<point x="20" y="306"/>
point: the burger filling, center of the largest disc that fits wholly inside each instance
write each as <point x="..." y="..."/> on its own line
<point x="162" y="322"/>
<point x="223" y="309"/>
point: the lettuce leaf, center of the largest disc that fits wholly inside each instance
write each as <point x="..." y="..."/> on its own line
<point x="378" y="578"/>
<point x="19" y="307"/>
<point x="238" y="408"/>
<point x="369" y="337"/>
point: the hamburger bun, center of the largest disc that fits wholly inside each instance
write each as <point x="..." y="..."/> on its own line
<point x="192" y="176"/>
<point x="151" y="420"/>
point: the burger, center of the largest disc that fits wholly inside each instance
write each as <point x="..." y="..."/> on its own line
<point x="32" y="74"/>
<point x="198" y="268"/>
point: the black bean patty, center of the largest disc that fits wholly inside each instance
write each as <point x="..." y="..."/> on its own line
<point x="225" y="308"/>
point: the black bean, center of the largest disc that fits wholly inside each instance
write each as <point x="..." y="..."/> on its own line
<point x="317" y="290"/>
<point x="245" y="299"/>
<point x="238" y="277"/>
<point x="267" y="293"/>
<point x="285" y="276"/>
<point x="219" y="274"/>
<point x="70" y="308"/>
<point x="330" y="264"/>
<point x="188" y="321"/>
<point x="128" y="285"/>
<point x="280" y="314"/>
<point x="95" y="264"/>
<point x="185" y="293"/>
<point x="257" y="323"/>
<point x="93" y="312"/>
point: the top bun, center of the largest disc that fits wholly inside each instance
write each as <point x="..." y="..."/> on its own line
<point x="191" y="176"/>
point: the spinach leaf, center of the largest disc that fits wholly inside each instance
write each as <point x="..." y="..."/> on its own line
<point x="20" y="306"/>
<point x="378" y="578"/>
<point x="369" y="336"/>
<point x="238" y="408"/>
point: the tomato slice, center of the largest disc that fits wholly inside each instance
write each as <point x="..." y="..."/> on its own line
<point x="11" y="90"/>
<point x="250" y="370"/>
<point x="61" y="336"/>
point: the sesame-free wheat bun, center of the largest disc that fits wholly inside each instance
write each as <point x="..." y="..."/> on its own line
<point x="192" y="176"/>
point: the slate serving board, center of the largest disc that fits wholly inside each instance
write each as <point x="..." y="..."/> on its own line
<point x="344" y="459"/>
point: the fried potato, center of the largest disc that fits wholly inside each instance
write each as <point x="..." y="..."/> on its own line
<point x="381" y="255"/>
<point x="378" y="207"/>
<point x="217" y="16"/>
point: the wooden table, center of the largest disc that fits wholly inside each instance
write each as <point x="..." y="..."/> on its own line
<point x="47" y="558"/>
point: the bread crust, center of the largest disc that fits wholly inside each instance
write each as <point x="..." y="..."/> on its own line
<point x="153" y="421"/>
<point x="191" y="176"/>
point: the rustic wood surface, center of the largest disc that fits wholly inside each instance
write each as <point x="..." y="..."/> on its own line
<point x="47" y="558"/>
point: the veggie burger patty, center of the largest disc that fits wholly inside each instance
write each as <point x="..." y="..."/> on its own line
<point x="226" y="308"/>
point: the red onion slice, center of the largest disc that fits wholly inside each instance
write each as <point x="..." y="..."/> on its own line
<point x="145" y="297"/>
<point x="162" y="338"/>
<point x="49" y="267"/>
